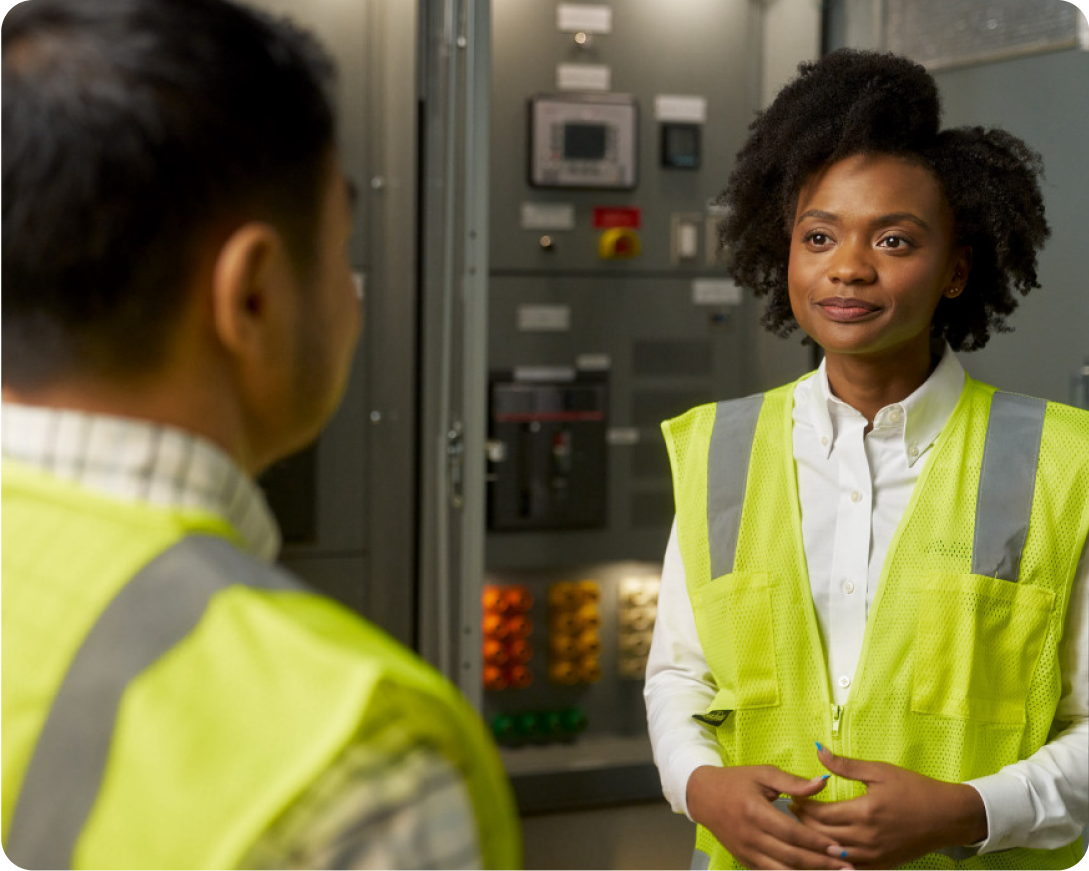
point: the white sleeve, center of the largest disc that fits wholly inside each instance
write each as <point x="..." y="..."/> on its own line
<point x="678" y="685"/>
<point x="1043" y="801"/>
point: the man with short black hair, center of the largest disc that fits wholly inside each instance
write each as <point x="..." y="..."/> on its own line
<point x="178" y="313"/>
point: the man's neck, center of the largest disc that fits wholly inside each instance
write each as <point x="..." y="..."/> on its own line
<point x="165" y="401"/>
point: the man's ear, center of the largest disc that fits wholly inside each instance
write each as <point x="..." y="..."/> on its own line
<point x="250" y="276"/>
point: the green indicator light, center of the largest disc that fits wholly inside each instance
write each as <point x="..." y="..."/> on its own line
<point x="503" y="726"/>
<point x="573" y="719"/>
<point x="525" y="724"/>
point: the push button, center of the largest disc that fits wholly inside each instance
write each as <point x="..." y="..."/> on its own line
<point x="619" y="243"/>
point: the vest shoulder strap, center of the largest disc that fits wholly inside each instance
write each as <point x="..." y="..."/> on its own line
<point x="727" y="475"/>
<point x="153" y="612"/>
<point x="1007" y="483"/>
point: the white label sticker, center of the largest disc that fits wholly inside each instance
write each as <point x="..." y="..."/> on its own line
<point x="622" y="435"/>
<point x="548" y="216"/>
<point x="544" y="318"/>
<point x="594" y="362"/>
<point x="715" y="291"/>
<point x="544" y="374"/>
<point x="671" y="107"/>
<point x="572" y="18"/>
<point x="583" y="77"/>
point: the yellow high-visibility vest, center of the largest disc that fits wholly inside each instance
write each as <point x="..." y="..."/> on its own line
<point x="958" y="673"/>
<point x="165" y="697"/>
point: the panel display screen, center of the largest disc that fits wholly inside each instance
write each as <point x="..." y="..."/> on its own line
<point x="584" y="141"/>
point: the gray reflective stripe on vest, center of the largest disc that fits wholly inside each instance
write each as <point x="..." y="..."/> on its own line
<point x="727" y="472"/>
<point x="1007" y="480"/>
<point x="700" y="860"/>
<point x="153" y="612"/>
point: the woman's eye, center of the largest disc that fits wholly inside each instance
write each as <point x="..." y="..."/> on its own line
<point x="894" y="242"/>
<point x="817" y="238"/>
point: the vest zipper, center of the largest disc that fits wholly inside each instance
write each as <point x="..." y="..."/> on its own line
<point x="836" y="792"/>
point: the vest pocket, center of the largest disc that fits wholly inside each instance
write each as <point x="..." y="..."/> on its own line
<point x="734" y="622"/>
<point x="977" y="642"/>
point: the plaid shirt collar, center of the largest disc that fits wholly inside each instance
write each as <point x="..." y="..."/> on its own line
<point x="140" y="461"/>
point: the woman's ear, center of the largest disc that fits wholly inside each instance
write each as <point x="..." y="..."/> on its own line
<point x="250" y="275"/>
<point x="962" y="266"/>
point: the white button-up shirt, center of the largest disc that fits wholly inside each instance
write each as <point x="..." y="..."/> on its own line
<point x="854" y="487"/>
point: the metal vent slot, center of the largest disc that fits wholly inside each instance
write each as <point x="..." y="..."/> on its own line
<point x="671" y="358"/>
<point x="944" y="33"/>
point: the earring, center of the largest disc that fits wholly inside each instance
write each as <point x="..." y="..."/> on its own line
<point x="953" y="291"/>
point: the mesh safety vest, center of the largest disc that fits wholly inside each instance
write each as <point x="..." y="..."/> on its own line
<point x="165" y="697"/>
<point x="958" y="673"/>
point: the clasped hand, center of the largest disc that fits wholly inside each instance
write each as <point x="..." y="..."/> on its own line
<point x="902" y="815"/>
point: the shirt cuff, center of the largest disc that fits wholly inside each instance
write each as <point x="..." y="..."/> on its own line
<point x="1007" y="804"/>
<point x="681" y="765"/>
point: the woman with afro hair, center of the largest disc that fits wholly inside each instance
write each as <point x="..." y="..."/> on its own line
<point x="872" y="645"/>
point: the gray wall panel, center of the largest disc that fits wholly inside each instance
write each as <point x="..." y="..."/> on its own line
<point x="1042" y="99"/>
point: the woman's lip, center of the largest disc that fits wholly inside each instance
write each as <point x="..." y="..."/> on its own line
<point x="846" y="308"/>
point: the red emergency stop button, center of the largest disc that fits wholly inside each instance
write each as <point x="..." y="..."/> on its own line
<point x="619" y="243"/>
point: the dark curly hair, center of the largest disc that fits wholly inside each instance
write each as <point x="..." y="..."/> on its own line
<point x="854" y="102"/>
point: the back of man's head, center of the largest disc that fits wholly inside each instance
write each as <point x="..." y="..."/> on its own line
<point x="132" y="131"/>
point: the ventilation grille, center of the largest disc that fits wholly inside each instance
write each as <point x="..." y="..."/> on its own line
<point x="946" y="33"/>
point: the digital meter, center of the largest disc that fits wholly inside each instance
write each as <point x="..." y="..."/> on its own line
<point x="583" y="140"/>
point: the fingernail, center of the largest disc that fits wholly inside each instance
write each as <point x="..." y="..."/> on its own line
<point x="843" y="855"/>
<point x="826" y="776"/>
<point x="819" y="748"/>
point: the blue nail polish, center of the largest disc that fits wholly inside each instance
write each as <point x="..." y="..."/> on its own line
<point x="826" y="777"/>
<point x="843" y="855"/>
<point x="818" y="743"/>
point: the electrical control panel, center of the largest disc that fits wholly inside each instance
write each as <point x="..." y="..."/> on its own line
<point x="583" y="140"/>
<point x="608" y="156"/>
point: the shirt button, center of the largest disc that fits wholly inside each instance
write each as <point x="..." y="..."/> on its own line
<point x="844" y="681"/>
<point x="824" y="440"/>
<point x="913" y="450"/>
<point x="856" y="496"/>
<point x="848" y="587"/>
<point x="895" y="416"/>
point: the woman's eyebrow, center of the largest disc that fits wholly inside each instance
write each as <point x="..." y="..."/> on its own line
<point x="891" y="218"/>
<point x="816" y="213"/>
<point x="898" y="218"/>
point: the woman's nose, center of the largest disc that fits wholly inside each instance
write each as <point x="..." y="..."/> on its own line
<point x="851" y="263"/>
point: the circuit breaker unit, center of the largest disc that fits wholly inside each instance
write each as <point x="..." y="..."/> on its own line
<point x="548" y="454"/>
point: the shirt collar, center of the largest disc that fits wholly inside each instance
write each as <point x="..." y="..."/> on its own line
<point x="920" y="417"/>
<point x="140" y="461"/>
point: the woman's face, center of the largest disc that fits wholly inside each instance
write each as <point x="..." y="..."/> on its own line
<point x="871" y="254"/>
